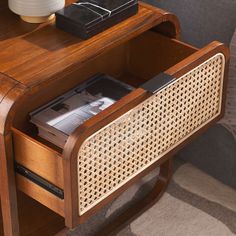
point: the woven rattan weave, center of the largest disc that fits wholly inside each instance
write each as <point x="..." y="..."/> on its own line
<point x="124" y="148"/>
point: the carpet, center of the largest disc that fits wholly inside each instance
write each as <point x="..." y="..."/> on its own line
<point x="194" y="204"/>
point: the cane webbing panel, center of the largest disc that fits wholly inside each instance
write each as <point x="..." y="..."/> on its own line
<point x="124" y="148"/>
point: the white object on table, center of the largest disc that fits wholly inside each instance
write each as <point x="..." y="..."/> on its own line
<point x="36" y="11"/>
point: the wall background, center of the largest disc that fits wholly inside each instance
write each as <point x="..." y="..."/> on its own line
<point x="203" y="21"/>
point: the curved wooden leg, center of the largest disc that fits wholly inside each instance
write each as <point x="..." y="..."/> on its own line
<point x="142" y="205"/>
<point x="8" y="188"/>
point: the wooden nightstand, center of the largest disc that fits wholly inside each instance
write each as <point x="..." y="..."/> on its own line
<point x="180" y="93"/>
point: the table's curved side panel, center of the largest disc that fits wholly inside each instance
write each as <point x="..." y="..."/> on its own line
<point x="10" y="90"/>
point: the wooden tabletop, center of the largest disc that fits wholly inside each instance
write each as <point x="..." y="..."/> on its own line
<point x="35" y="53"/>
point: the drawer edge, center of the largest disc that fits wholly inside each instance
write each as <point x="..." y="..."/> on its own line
<point x="41" y="195"/>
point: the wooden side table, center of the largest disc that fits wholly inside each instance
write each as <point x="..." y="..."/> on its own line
<point x="180" y="93"/>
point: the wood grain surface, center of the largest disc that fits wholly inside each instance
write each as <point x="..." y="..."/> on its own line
<point x="33" y="54"/>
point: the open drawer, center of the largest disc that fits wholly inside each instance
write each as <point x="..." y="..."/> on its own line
<point x="180" y="92"/>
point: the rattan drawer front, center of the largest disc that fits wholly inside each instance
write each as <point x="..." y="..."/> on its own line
<point x="124" y="148"/>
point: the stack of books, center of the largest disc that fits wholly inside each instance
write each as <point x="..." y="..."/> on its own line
<point x="59" y="118"/>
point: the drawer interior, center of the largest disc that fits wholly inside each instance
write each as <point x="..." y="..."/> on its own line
<point x="133" y="62"/>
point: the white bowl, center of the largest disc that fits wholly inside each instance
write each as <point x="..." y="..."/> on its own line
<point x="32" y="9"/>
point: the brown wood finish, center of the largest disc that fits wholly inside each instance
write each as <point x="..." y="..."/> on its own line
<point x="65" y="52"/>
<point x="9" y="93"/>
<point x="39" y="62"/>
<point x="7" y="188"/>
<point x="156" y="59"/>
<point x="35" y="156"/>
<point x="39" y="194"/>
<point x="7" y="192"/>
